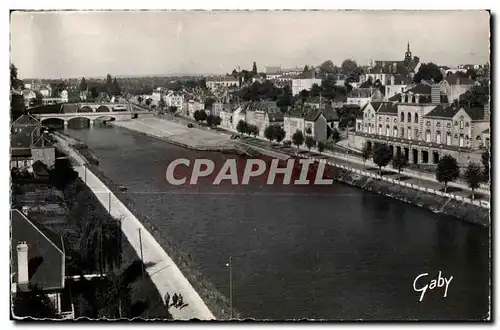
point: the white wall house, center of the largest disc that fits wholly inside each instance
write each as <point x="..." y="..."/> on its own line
<point x="300" y="84"/>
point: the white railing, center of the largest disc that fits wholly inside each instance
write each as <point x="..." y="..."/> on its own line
<point x="405" y="184"/>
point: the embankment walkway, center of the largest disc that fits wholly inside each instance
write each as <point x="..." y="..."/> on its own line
<point x="162" y="270"/>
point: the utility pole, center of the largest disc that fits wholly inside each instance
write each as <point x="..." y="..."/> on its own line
<point x="142" y="256"/>
<point x="231" y="287"/>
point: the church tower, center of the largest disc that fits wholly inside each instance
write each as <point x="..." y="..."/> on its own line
<point x="408" y="57"/>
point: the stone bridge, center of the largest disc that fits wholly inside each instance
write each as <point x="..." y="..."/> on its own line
<point x="92" y="116"/>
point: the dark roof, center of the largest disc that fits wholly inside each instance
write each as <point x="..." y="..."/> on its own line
<point x="20" y="152"/>
<point x="42" y="142"/>
<point x="275" y="116"/>
<point x="26" y="120"/>
<point x="274" y="70"/>
<point x="402" y="80"/>
<point x="388" y="108"/>
<point x="421" y="89"/>
<point x="457" y="79"/>
<point x="45" y="252"/>
<point x="475" y="113"/>
<point x="362" y="92"/>
<point x="40" y="169"/>
<point x="486" y="131"/>
<point x="330" y="114"/>
<point x="443" y="111"/>
<point x="267" y="106"/>
<point x="312" y="114"/>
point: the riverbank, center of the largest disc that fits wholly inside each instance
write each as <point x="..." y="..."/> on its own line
<point x="165" y="273"/>
<point x="436" y="204"/>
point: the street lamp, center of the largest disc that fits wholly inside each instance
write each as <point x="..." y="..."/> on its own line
<point x="230" y="265"/>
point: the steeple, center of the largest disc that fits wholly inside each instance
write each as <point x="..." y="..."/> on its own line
<point x="408" y="57"/>
<point x="408" y="49"/>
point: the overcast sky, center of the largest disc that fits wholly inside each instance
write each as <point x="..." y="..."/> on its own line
<point x="76" y="44"/>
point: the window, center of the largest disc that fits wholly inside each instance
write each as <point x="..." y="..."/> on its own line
<point x="456" y="123"/>
<point x="461" y="140"/>
<point x="428" y="135"/>
<point x="387" y="130"/>
<point x="416" y="118"/>
<point x="372" y="115"/>
<point x="402" y="116"/>
<point x="359" y="126"/>
<point x="416" y="133"/>
<point x="438" y="137"/>
<point x="409" y="117"/>
<point x="402" y="132"/>
<point x="409" y="134"/>
<point x="448" y="125"/>
<point x="386" y="118"/>
<point x="395" y="120"/>
<point x="438" y="124"/>
<point x="466" y="124"/>
<point x="428" y="123"/>
<point x="461" y="123"/>
<point x="380" y="129"/>
<point x="395" y="131"/>
<point x="448" y="138"/>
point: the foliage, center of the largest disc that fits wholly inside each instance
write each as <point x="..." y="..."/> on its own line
<point x="428" y="72"/>
<point x="279" y="133"/>
<point x="148" y="101"/>
<point x="162" y="104"/>
<point x="200" y="115"/>
<point x="310" y="142"/>
<point x="485" y="159"/>
<point x="321" y="146"/>
<point x="348" y="66"/>
<point x="477" y="96"/>
<point x="172" y="109"/>
<point x="83" y="85"/>
<point x="15" y="83"/>
<point x="473" y="176"/>
<point x="260" y="91"/>
<point x="242" y="127"/>
<point x="254" y="68"/>
<point x="447" y="170"/>
<point x="269" y="133"/>
<point x="209" y="103"/>
<point x="285" y="100"/>
<point x="382" y="155"/>
<point x="140" y="99"/>
<point x="33" y="303"/>
<point x="399" y="162"/>
<point x="63" y="174"/>
<point x="253" y="130"/>
<point x="335" y="135"/>
<point x="298" y="138"/>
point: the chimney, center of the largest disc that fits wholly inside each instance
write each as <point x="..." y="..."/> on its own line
<point x="417" y="97"/>
<point x="435" y="94"/>
<point x="22" y="263"/>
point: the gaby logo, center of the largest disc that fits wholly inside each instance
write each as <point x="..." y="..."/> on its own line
<point x="294" y="171"/>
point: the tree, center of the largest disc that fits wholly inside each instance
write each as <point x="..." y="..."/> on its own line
<point x="15" y="83"/>
<point x="326" y="68"/>
<point x="148" y="102"/>
<point x="162" y="104"/>
<point x="172" y="109"/>
<point x="477" y="96"/>
<point x="200" y="115"/>
<point x="315" y="90"/>
<point x="270" y="133"/>
<point x="109" y="84"/>
<point x="298" y="138"/>
<point x="335" y="135"/>
<point x="382" y="155"/>
<point x="242" y="127"/>
<point x="310" y="142"/>
<point x="33" y="303"/>
<point x="210" y="120"/>
<point x="428" y="72"/>
<point x="94" y="92"/>
<point x="306" y="68"/>
<point x="254" y="68"/>
<point x="485" y="159"/>
<point x="209" y="103"/>
<point x="348" y="66"/>
<point x="254" y="130"/>
<point x="321" y="146"/>
<point x="473" y="176"/>
<point x="62" y="174"/>
<point x="366" y="153"/>
<point x="279" y="134"/>
<point x="447" y="170"/>
<point x="285" y="100"/>
<point x="140" y="99"/>
<point x="115" y="90"/>
<point x="399" y="162"/>
<point x="234" y="73"/>
<point x="217" y="120"/>
<point x="83" y="85"/>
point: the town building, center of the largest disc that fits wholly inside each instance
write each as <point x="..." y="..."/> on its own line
<point x="225" y="81"/>
<point x="263" y="114"/>
<point x="455" y="85"/>
<point x="174" y="99"/>
<point x="38" y="263"/>
<point x="28" y="145"/>
<point x="273" y="72"/>
<point x="362" y="96"/>
<point x="407" y="67"/>
<point x="397" y="84"/>
<point x="304" y="81"/>
<point x="311" y="121"/>
<point x="424" y="126"/>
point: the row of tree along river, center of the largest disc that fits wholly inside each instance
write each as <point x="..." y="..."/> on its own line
<point x="331" y="252"/>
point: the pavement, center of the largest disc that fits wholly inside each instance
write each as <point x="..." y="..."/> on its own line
<point x="163" y="272"/>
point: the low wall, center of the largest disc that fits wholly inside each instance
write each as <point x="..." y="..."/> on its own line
<point x="437" y="204"/>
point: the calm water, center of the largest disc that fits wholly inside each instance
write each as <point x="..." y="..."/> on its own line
<point x="334" y="252"/>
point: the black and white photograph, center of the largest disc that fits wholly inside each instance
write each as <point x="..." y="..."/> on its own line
<point x="267" y="165"/>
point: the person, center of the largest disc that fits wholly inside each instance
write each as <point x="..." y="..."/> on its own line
<point x="167" y="300"/>
<point x="181" y="301"/>
<point x="174" y="300"/>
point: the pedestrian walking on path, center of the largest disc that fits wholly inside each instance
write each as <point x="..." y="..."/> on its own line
<point x="181" y="301"/>
<point x="175" y="300"/>
<point x="167" y="300"/>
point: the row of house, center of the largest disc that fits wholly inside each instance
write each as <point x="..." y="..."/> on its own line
<point x="422" y="122"/>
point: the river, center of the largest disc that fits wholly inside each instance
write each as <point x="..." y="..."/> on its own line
<point x="336" y="252"/>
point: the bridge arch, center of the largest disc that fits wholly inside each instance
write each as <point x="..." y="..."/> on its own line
<point x="105" y="118"/>
<point x="72" y="119"/>
<point x="85" y="108"/>
<point x="52" y="122"/>
<point x="103" y="108"/>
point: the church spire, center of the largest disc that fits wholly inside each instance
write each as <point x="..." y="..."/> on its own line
<point x="408" y="49"/>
